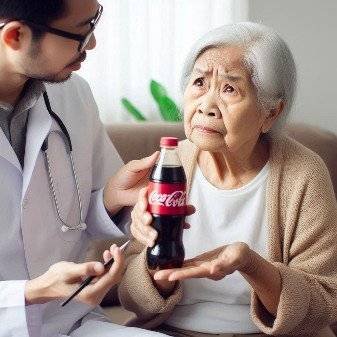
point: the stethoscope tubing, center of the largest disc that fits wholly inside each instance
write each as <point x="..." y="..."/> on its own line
<point x="65" y="227"/>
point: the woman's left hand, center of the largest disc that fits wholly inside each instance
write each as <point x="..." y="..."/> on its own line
<point x="215" y="264"/>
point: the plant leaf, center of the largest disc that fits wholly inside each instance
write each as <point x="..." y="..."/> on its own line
<point x="132" y="110"/>
<point x="157" y="90"/>
<point x="169" y="110"/>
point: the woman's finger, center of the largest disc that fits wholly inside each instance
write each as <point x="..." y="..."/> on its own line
<point x="166" y="274"/>
<point x="190" y="209"/>
<point x="142" y="216"/>
<point x="142" y="200"/>
<point x="207" y="256"/>
<point x="140" y="226"/>
<point x="163" y="274"/>
<point x="191" y="272"/>
<point x="145" y="225"/>
<point x="139" y="236"/>
<point x="187" y="226"/>
<point x="142" y="222"/>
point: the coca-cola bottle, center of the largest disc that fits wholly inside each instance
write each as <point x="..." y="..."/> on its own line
<point x="167" y="204"/>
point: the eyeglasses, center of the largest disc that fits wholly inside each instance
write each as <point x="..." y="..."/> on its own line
<point x="82" y="39"/>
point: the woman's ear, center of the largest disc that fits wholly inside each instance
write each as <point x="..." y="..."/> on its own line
<point x="272" y="116"/>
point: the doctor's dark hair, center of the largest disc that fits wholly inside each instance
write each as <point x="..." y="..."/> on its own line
<point x="37" y="11"/>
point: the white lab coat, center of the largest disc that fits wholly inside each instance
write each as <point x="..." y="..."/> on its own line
<point x="31" y="239"/>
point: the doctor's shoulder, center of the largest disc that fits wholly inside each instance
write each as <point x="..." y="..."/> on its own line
<point x="75" y="93"/>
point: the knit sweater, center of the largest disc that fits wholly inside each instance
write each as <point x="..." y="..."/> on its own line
<point x="302" y="244"/>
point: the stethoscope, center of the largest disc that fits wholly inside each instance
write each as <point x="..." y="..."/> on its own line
<point x="66" y="137"/>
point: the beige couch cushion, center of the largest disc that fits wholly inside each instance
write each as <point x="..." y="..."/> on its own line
<point x="135" y="141"/>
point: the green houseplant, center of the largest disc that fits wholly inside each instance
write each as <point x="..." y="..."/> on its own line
<point x="168" y="109"/>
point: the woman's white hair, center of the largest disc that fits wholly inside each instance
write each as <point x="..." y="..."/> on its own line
<point x="267" y="57"/>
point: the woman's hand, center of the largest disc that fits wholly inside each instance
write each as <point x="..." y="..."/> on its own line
<point x="261" y="274"/>
<point x="142" y="231"/>
<point x="141" y="220"/>
<point x="63" y="278"/>
<point x="123" y="188"/>
<point x="215" y="264"/>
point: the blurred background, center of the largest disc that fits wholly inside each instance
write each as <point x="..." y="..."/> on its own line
<point x="143" y="40"/>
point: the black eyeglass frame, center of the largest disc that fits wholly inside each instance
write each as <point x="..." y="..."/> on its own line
<point x="82" y="39"/>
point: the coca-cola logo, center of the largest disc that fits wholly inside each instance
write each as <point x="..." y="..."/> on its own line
<point x="174" y="199"/>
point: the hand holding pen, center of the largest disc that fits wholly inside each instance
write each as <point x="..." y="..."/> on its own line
<point x="109" y="259"/>
<point x="62" y="278"/>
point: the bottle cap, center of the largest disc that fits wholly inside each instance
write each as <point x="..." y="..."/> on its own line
<point x="169" y="141"/>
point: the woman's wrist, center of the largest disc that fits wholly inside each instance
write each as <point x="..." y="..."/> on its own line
<point x="264" y="278"/>
<point x="248" y="263"/>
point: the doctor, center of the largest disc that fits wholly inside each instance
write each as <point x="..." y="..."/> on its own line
<point x="56" y="163"/>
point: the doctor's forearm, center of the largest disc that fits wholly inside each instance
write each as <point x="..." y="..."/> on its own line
<point x="265" y="279"/>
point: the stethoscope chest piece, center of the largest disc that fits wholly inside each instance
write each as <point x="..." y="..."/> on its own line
<point x="81" y="227"/>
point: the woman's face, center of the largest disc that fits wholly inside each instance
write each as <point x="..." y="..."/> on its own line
<point x="221" y="108"/>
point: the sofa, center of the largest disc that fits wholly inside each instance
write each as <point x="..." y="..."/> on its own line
<point x="134" y="141"/>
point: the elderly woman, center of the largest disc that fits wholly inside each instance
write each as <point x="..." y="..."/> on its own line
<point x="262" y="247"/>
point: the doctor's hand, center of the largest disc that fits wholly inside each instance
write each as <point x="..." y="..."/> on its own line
<point x="63" y="278"/>
<point x="123" y="188"/>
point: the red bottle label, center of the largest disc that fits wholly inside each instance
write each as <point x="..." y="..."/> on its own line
<point x="167" y="199"/>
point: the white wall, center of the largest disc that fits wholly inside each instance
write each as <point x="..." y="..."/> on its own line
<point x="310" y="29"/>
<point x="139" y="40"/>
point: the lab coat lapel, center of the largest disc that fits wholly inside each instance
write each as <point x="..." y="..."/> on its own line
<point x="7" y="152"/>
<point x="38" y="127"/>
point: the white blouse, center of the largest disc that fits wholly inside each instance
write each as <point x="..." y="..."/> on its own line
<point x="222" y="217"/>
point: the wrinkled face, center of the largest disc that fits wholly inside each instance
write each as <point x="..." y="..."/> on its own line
<point x="221" y="109"/>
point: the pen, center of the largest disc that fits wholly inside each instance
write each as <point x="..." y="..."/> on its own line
<point x="89" y="279"/>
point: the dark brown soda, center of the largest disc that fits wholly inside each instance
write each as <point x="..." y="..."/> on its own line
<point x="168" y="251"/>
<point x="168" y="174"/>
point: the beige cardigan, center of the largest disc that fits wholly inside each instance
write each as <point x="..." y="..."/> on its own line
<point x="302" y="244"/>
